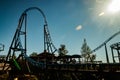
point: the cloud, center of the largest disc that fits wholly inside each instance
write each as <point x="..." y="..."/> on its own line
<point x="79" y="27"/>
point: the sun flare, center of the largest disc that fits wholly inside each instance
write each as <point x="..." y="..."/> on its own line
<point x="114" y="6"/>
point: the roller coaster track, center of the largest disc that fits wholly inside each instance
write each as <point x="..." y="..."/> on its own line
<point x="20" y="45"/>
<point x="33" y="62"/>
<point x="117" y="33"/>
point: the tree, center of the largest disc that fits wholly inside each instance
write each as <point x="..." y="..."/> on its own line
<point x="33" y="54"/>
<point x="62" y="50"/>
<point x="92" y="57"/>
<point x="86" y="51"/>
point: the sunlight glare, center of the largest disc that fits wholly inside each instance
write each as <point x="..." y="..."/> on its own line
<point x="101" y="14"/>
<point x="114" y="6"/>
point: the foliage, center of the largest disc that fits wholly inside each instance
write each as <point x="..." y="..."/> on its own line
<point x="62" y="50"/>
<point x="92" y="57"/>
<point x="86" y="52"/>
<point x="33" y="54"/>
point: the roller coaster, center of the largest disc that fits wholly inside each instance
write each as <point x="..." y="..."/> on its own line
<point x="104" y="44"/>
<point x="23" y="64"/>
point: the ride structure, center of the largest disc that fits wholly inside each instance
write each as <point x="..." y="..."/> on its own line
<point x="20" y="45"/>
<point x="115" y="46"/>
<point x="23" y="64"/>
<point x="104" y="44"/>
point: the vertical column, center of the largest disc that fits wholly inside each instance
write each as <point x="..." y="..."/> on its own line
<point x="118" y="55"/>
<point x="25" y="33"/>
<point x="106" y="54"/>
<point x="112" y="55"/>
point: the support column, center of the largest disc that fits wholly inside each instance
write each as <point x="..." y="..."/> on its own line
<point x="118" y="55"/>
<point x="106" y="54"/>
<point x="112" y="55"/>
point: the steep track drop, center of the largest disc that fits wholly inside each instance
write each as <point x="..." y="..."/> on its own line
<point x="18" y="45"/>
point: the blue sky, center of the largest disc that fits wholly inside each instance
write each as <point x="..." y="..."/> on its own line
<point x="63" y="17"/>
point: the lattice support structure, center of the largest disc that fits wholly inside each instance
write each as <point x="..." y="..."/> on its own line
<point x="116" y="47"/>
<point x="105" y="44"/>
<point x="19" y="42"/>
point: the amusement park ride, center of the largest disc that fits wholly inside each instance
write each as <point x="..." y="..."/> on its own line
<point x="23" y="64"/>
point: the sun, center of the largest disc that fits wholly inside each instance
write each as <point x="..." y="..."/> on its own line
<point x="114" y="6"/>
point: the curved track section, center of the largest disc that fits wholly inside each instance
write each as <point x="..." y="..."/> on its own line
<point x="35" y="8"/>
<point x="117" y="33"/>
<point x="20" y="45"/>
<point x="33" y="62"/>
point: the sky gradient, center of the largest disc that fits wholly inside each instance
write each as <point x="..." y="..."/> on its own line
<point x="69" y="22"/>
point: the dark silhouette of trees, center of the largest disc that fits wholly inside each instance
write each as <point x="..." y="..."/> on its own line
<point x="62" y="50"/>
<point x="92" y="57"/>
<point x="33" y="54"/>
<point x="86" y="52"/>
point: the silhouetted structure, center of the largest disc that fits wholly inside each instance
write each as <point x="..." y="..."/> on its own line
<point x="116" y="47"/>
<point x="42" y="65"/>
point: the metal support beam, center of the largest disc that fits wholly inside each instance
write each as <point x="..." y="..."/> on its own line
<point x="118" y="55"/>
<point x="112" y="55"/>
<point x="106" y="54"/>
